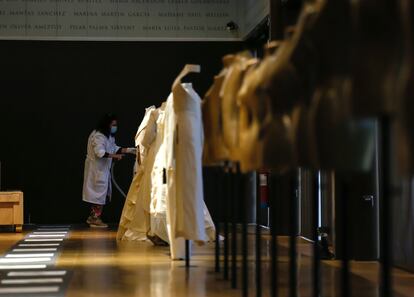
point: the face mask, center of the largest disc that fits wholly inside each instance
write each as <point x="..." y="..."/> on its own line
<point x="114" y="129"/>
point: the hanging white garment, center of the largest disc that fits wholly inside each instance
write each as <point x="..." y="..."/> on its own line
<point x="177" y="245"/>
<point x="189" y="176"/>
<point x="169" y="198"/>
<point x="139" y="138"/>
<point x="97" y="173"/>
<point x="135" y="222"/>
<point x="187" y="216"/>
<point x="158" y="207"/>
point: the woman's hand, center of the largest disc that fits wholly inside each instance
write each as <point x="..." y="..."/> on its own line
<point x="129" y="150"/>
<point x="117" y="157"/>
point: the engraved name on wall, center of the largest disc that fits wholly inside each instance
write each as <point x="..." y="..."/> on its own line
<point x="119" y="19"/>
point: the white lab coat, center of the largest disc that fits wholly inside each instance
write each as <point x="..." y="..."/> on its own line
<point x="97" y="174"/>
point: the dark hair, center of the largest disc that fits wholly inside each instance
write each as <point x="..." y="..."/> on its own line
<point x="104" y="124"/>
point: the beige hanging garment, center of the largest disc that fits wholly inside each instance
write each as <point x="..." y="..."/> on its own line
<point x="187" y="214"/>
<point x="134" y="222"/>
<point x="214" y="150"/>
<point x="264" y="137"/>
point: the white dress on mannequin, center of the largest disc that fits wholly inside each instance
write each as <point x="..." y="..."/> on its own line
<point x="166" y="196"/>
<point x="187" y="214"/>
<point x="139" y="138"/>
<point x="188" y="153"/>
<point x="134" y="222"/>
<point x="158" y="207"/>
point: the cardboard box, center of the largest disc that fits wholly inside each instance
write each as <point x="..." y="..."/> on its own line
<point x="11" y="209"/>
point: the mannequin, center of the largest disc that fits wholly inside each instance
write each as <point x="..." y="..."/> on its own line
<point x="229" y="105"/>
<point x="165" y="202"/>
<point x="258" y="124"/>
<point x="339" y="103"/>
<point x="141" y="151"/>
<point x="214" y="150"/>
<point x="343" y="143"/>
<point x="187" y="214"/>
<point x="301" y="65"/>
<point x="135" y="219"/>
<point x="312" y="75"/>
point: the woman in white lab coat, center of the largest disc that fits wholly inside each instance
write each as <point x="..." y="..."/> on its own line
<point x="101" y="150"/>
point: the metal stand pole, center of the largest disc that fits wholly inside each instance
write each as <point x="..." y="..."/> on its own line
<point x="316" y="255"/>
<point x="292" y="238"/>
<point x="273" y="243"/>
<point x="187" y="254"/>
<point x="234" y="198"/>
<point x="243" y="214"/>
<point x="258" y="271"/>
<point x="226" y="227"/>
<point x="218" y="219"/>
<point x="345" y="283"/>
<point x="385" y="209"/>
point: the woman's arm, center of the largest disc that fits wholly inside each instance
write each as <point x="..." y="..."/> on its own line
<point x="127" y="150"/>
<point x="117" y="156"/>
<point x="99" y="148"/>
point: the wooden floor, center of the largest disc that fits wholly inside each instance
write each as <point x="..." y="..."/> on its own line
<point x="101" y="267"/>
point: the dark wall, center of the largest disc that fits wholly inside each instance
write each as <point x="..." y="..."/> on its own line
<point x="403" y="227"/>
<point x="52" y="94"/>
<point x="402" y="200"/>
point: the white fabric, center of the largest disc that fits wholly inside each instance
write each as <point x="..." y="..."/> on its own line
<point x="141" y="150"/>
<point x="187" y="215"/>
<point x="170" y="188"/>
<point x="150" y="209"/>
<point x="146" y="131"/>
<point x="134" y="222"/>
<point x="158" y="205"/>
<point x="177" y="245"/>
<point x="192" y="216"/>
<point x="97" y="174"/>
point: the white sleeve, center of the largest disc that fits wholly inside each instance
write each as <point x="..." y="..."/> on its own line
<point x="202" y="136"/>
<point x="98" y="144"/>
<point x="114" y="147"/>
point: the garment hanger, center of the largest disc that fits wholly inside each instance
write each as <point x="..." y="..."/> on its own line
<point x="188" y="68"/>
